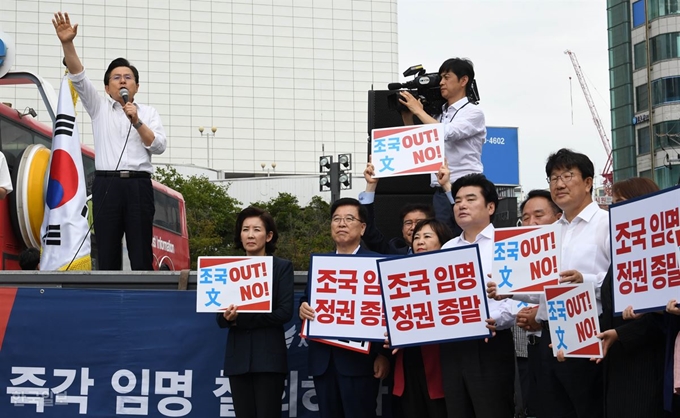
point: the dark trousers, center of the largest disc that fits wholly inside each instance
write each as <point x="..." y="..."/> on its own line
<point x="479" y="377"/>
<point x="571" y="389"/>
<point x="123" y="205"/>
<point x="415" y="401"/>
<point x="341" y="396"/>
<point x="533" y="370"/>
<point x="443" y="211"/>
<point x="257" y="395"/>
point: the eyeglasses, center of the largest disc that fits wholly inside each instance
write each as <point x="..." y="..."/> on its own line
<point x="409" y="223"/>
<point x="349" y="219"/>
<point x="565" y="177"/>
<point x="118" y="77"/>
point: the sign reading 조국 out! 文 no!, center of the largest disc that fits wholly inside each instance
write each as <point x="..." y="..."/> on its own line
<point x="645" y="264"/>
<point x="527" y="258"/>
<point x="406" y="150"/>
<point x="574" y="321"/>
<point x="434" y="297"/>
<point x="243" y="281"/>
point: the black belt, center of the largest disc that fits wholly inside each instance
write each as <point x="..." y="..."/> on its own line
<point x="123" y="174"/>
<point x="533" y="339"/>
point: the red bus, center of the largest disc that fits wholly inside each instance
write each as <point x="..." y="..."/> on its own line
<point x="25" y="142"/>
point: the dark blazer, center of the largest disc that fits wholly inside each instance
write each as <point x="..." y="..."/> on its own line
<point x="376" y="241"/>
<point x="633" y="368"/>
<point x="256" y="342"/>
<point x="348" y="362"/>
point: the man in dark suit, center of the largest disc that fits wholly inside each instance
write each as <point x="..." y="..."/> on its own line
<point x="409" y="215"/>
<point x="346" y="382"/>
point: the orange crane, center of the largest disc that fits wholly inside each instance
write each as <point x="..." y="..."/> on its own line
<point x="607" y="171"/>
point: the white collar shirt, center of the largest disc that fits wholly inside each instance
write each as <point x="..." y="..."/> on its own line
<point x="585" y="248"/>
<point x="353" y="252"/>
<point x="110" y="128"/>
<point x="464" y="136"/>
<point x="501" y="311"/>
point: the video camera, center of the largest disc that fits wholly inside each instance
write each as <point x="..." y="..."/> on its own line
<point x="424" y="86"/>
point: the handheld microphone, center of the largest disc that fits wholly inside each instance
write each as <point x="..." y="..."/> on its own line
<point x="125" y="95"/>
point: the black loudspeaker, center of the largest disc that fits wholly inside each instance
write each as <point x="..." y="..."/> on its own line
<point x="379" y="114"/>
<point x="506" y="213"/>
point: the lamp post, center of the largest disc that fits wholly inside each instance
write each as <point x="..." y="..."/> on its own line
<point x="208" y="135"/>
<point x="273" y="167"/>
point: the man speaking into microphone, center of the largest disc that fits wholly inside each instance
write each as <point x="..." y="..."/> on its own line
<point x="126" y="133"/>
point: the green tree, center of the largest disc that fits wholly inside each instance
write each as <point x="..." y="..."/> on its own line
<point x="302" y="231"/>
<point x="211" y="213"/>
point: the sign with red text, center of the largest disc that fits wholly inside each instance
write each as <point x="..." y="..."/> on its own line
<point x="573" y="318"/>
<point x="527" y="258"/>
<point x="676" y="236"/>
<point x="363" y="347"/>
<point x="243" y="281"/>
<point x="434" y="297"/>
<point x="645" y="263"/>
<point x="344" y="291"/>
<point x="406" y="150"/>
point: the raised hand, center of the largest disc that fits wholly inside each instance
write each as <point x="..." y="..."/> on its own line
<point x="62" y="25"/>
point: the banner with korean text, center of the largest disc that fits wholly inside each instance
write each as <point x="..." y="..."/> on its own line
<point x="67" y="353"/>
<point x="345" y="293"/>
<point x="406" y="150"/>
<point x="644" y="251"/>
<point x="434" y="297"/>
<point x="243" y="281"/>
<point x="676" y="236"/>
<point x="526" y="259"/>
<point x="573" y="319"/>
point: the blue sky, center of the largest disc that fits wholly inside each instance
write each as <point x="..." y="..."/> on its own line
<point x="518" y="47"/>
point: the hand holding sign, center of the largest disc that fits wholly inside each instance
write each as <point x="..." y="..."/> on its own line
<point x="231" y="313"/>
<point x="571" y="276"/>
<point x="306" y="312"/>
<point x="672" y="307"/>
<point x="369" y="172"/>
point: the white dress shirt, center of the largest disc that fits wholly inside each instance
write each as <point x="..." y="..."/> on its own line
<point x="465" y="133"/>
<point x="585" y="248"/>
<point x="110" y="127"/>
<point x="501" y="310"/>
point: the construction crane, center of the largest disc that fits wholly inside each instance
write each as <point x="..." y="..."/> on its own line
<point x="607" y="171"/>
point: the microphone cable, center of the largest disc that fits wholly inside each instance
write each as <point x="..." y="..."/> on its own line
<point x="106" y="192"/>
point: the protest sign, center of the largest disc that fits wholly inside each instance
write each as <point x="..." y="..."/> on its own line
<point x="573" y="319"/>
<point x="526" y="259"/>
<point x="407" y="150"/>
<point x="243" y="281"/>
<point x="434" y="297"/>
<point x="345" y="294"/>
<point x="358" y="346"/>
<point x="645" y="263"/>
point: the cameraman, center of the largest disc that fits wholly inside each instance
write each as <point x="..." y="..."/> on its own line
<point x="464" y="127"/>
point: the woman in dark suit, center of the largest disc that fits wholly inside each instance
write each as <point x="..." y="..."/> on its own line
<point x="256" y="356"/>
<point x="634" y="350"/>
<point x="417" y="370"/>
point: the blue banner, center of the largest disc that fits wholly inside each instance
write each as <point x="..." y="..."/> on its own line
<point x="95" y="353"/>
<point x="500" y="156"/>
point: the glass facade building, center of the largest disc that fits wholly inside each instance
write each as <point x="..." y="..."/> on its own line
<point x="283" y="81"/>
<point x="645" y="76"/>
